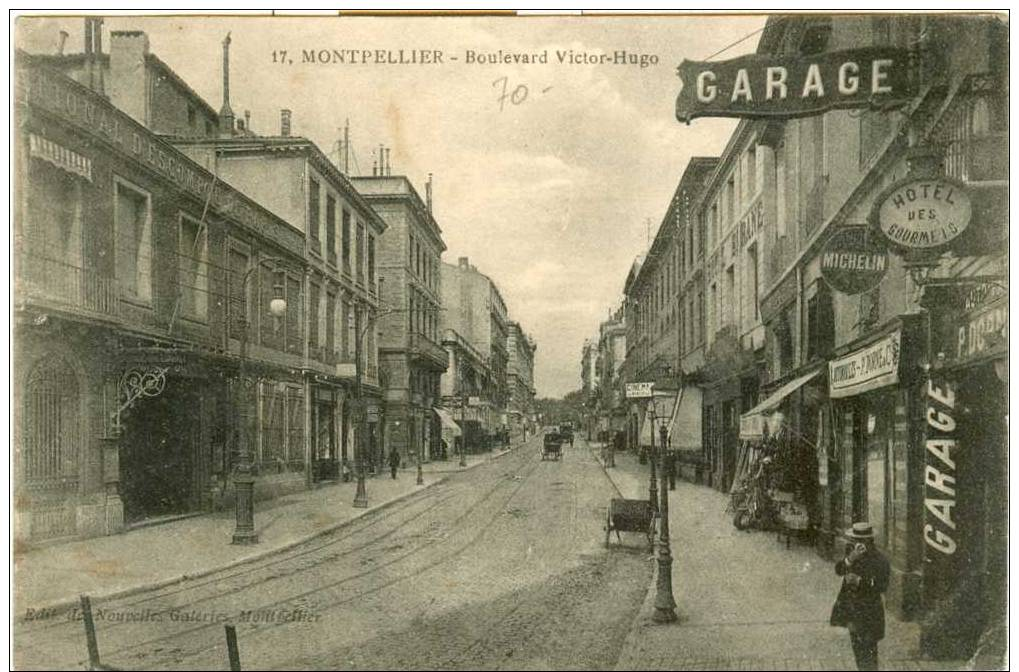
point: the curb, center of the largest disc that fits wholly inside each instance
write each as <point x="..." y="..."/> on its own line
<point x="67" y="604"/>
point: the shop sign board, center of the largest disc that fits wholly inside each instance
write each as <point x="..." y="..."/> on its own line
<point x="924" y="214"/>
<point x="854" y="260"/>
<point x="941" y="530"/>
<point x="981" y="328"/>
<point x="866" y="369"/>
<point x="788" y="86"/>
<point x="640" y="390"/>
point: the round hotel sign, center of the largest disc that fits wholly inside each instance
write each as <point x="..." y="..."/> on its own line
<point x="854" y="260"/>
<point x="923" y="214"/>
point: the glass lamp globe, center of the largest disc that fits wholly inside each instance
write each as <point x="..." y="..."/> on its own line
<point x="278" y="305"/>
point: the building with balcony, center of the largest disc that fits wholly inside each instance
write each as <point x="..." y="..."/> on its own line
<point x="463" y="386"/>
<point x="137" y="274"/>
<point x="474" y="308"/>
<point x="865" y="448"/>
<point x="411" y="354"/>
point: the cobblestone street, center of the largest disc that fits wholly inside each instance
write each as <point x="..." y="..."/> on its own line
<point x="501" y="567"/>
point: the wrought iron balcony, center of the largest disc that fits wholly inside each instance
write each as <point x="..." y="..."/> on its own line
<point x="58" y="282"/>
<point x="422" y="346"/>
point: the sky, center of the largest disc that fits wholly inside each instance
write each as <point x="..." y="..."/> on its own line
<point x="547" y="177"/>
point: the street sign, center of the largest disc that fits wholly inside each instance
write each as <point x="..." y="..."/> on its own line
<point x="854" y="260"/>
<point x="922" y="213"/>
<point x="640" y="390"/>
<point x="786" y="86"/>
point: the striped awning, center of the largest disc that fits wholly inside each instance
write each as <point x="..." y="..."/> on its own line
<point x="60" y="156"/>
<point x="448" y="423"/>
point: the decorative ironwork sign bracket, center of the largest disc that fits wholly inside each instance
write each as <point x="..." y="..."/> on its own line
<point x="135" y="384"/>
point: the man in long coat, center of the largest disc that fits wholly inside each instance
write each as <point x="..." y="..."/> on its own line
<point x="860" y="605"/>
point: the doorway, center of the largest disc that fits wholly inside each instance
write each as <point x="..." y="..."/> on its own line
<point x="160" y="453"/>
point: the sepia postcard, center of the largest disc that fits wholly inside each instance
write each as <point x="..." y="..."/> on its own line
<point x="491" y="340"/>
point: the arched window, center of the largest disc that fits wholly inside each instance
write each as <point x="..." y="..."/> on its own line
<point x="50" y="426"/>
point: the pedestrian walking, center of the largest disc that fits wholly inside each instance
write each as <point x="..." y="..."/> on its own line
<point x="860" y="604"/>
<point x="394" y="462"/>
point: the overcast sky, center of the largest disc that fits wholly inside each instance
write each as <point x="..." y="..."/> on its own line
<point x="550" y="197"/>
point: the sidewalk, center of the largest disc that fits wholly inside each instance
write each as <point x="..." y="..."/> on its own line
<point x="150" y="557"/>
<point x="743" y="599"/>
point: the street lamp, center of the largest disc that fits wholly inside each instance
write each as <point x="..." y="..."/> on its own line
<point x="463" y="423"/>
<point x="244" y="479"/>
<point x="665" y="603"/>
<point x="653" y="487"/>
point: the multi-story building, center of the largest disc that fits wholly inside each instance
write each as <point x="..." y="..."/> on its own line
<point x="870" y="448"/>
<point x="777" y="349"/>
<point x="338" y="290"/>
<point x="463" y="387"/>
<point x="138" y="273"/>
<point x="475" y="309"/>
<point x="609" y="363"/>
<point x="520" y="380"/>
<point x="410" y="349"/>
<point x="665" y="297"/>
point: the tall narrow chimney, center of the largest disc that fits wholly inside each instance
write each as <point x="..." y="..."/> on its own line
<point x="62" y="42"/>
<point x="389" y="164"/>
<point x="375" y="166"/>
<point x="226" y="115"/>
<point x="428" y="192"/>
<point x="285" y="123"/>
<point x="247" y="119"/>
<point x="382" y="161"/>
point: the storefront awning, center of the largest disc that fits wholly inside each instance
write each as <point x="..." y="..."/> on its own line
<point x="751" y="423"/>
<point x="685" y="423"/>
<point x="448" y="423"/>
<point x="661" y="412"/>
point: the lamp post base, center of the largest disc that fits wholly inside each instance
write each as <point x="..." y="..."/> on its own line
<point x="244" y="530"/>
<point x="421" y="477"/>
<point x="361" y="496"/>
<point x="665" y="604"/>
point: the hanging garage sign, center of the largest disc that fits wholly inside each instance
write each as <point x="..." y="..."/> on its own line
<point x="854" y="260"/>
<point x="922" y="213"/>
<point x="781" y="85"/>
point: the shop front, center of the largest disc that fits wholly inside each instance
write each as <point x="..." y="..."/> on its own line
<point x="966" y="459"/>
<point x="869" y="450"/>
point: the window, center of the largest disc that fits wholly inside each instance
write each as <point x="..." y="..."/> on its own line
<point x="237" y="309"/>
<point x="713" y="315"/>
<point x="730" y="202"/>
<point x="53" y="234"/>
<point x="371" y="262"/>
<point x="346" y="242"/>
<point x="191" y="116"/>
<point x="780" y="190"/>
<point x="133" y="225"/>
<point x="729" y="309"/>
<point x="751" y="172"/>
<point x="344" y="326"/>
<point x="699" y="322"/>
<point x="752" y="280"/>
<point x="820" y="324"/>
<point x="331" y="229"/>
<point x="330" y="323"/>
<point x="294" y="329"/>
<point x="314" y="215"/>
<point x="360" y="252"/>
<point x="50" y="426"/>
<point x="193" y="271"/>
<point x="313" y="306"/>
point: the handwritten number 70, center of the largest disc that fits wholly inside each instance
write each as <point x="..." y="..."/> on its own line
<point x="517" y="96"/>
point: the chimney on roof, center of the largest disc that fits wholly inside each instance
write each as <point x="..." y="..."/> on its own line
<point x="129" y="51"/>
<point x="428" y="193"/>
<point x="62" y="42"/>
<point x="382" y="161"/>
<point x="375" y="165"/>
<point x="285" y="123"/>
<point x="389" y="164"/>
<point x="247" y="119"/>
<point x="226" y="115"/>
<point x="463" y="262"/>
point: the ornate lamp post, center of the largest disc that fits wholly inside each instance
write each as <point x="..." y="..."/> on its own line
<point x="463" y="424"/>
<point x="665" y="604"/>
<point x="361" y="494"/>
<point x="244" y="479"/>
<point x="653" y="487"/>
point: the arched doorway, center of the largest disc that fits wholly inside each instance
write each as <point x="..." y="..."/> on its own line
<point x="49" y="459"/>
